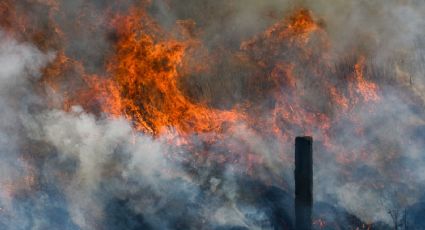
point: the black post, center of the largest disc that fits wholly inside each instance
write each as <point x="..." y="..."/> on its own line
<point x="303" y="182"/>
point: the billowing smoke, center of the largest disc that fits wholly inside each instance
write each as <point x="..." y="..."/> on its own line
<point x="20" y="65"/>
<point x="91" y="139"/>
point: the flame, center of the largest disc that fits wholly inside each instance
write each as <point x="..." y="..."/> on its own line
<point x="140" y="81"/>
<point x="142" y="74"/>
<point x="365" y="88"/>
<point x="144" y="82"/>
<point x="296" y="86"/>
<point x="320" y="223"/>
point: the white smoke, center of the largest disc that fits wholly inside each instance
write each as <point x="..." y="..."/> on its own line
<point x="94" y="160"/>
<point x="19" y="65"/>
<point x="95" y="146"/>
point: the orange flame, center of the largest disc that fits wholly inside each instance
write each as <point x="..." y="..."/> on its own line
<point x="141" y="77"/>
<point x="144" y="82"/>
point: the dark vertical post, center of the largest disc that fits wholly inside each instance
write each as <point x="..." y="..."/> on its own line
<point x="303" y="182"/>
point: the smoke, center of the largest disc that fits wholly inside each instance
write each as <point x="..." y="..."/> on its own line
<point x="19" y="66"/>
<point x="110" y="169"/>
<point x="387" y="174"/>
<point x="388" y="25"/>
<point x="72" y="170"/>
<point x="79" y="169"/>
<point x="386" y="168"/>
<point x="105" y="162"/>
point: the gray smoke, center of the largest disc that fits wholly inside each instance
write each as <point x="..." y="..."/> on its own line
<point x="76" y="170"/>
<point x="19" y="66"/>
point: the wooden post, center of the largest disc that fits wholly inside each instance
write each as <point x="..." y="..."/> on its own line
<point x="303" y="182"/>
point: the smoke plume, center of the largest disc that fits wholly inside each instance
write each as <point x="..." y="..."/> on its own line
<point x="182" y="114"/>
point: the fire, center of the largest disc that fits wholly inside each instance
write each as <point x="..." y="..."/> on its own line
<point x="320" y="223"/>
<point x="144" y="82"/>
<point x="294" y="85"/>
<point x="141" y="76"/>
<point x="298" y="29"/>
<point x="143" y="72"/>
<point x="366" y="89"/>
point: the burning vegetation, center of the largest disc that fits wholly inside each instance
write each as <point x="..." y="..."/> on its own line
<point x="160" y="119"/>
